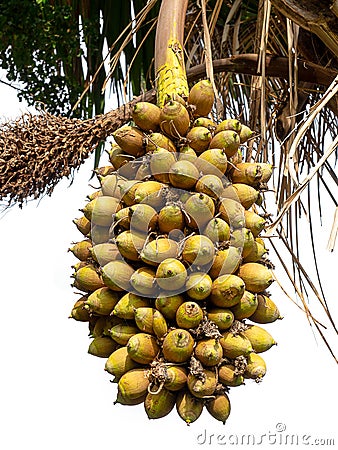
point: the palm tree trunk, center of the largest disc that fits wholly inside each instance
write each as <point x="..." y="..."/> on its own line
<point x="170" y="71"/>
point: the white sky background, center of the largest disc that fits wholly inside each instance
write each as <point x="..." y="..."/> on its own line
<point x="54" y="395"/>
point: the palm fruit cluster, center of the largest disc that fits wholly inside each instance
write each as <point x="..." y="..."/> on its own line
<point x="173" y="268"/>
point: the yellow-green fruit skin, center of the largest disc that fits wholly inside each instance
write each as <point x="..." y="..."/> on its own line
<point x="178" y="346"/>
<point x="202" y="387"/>
<point x="119" y="363"/>
<point x="219" y="407"/>
<point x="160" y="404"/>
<point x="125" y="307"/>
<point x="260" y="339"/>
<point x="142" y="348"/>
<point x="189" y="315"/>
<point x="209" y="352"/>
<point x="134" y="383"/>
<point x="256" y="367"/>
<point x="246" y="306"/>
<point x="235" y="345"/>
<point x="222" y="317"/>
<point x="176" y="378"/>
<point x="102" y="347"/>
<point x="189" y="407"/>
<point x="102" y="301"/>
<point x="227" y="290"/>
<point x="228" y="376"/>
<point x="256" y="277"/>
<point x="266" y="311"/>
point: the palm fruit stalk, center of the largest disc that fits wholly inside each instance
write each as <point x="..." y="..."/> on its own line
<point x="171" y="262"/>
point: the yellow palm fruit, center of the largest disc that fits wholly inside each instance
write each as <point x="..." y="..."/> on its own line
<point x="212" y="162"/>
<point x="155" y="140"/>
<point x="211" y="185"/>
<point x="133" y="384"/>
<point x="256" y="254"/>
<point x="87" y="279"/>
<point x="168" y="305"/>
<point x="201" y="386"/>
<point x="81" y="250"/>
<point x="188" y="406"/>
<point x="243" y="193"/>
<point x="176" y="378"/>
<point x="209" y="352"/>
<point x="160" y="326"/>
<point x="142" y="348"/>
<point x="246" y="306"/>
<point x="160" y="163"/>
<point x="183" y="174"/>
<point x="117" y="274"/>
<point x="235" y="344"/>
<point x="83" y="225"/>
<point x="122" y="332"/>
<point x="79" y="312"/>
<point x="130" y="244"/>
<point x="150" y="193"/>
<point x="171" y="274"/>
<point x="227" y="290"/>
<point x="131" y="140"/>
<point x="146" y="116"/>
<point x="178" y="346"/>
<point x="229" y="124"/>
<point x="256" y="277"/>
<point x="245" y="134"/>
<point x="143" y="281"/>
<point x="118" y="157"/>
<point x="201" y="97"/>
<point x="198" y="286"/>
<point x="227" y="140"/>
<point x="198" y="250"/>
<point x="266" y="311"/>
<point x="254" y="222"/>
<point x="256" y="367"/>
<point x="189" y="315"/>
<point x="260" y="339"/>
<point x="125" y="400"/>
<point x="205" y="122"/>
<point x="227" y="375"/>
<point x="219" y="407"/>
<point x="102" y="301"/>
<point x="201" y="209"/>
<point x="232" y="212"/>
<point x="102" y="347"/>
<point x="226" y="261"/>
<point x="243" y="239"/>
<point x="199" y="138"/>
<point x="158" y="250"/>
<point x="252" y="173"/>
<point x="171" y="218"/>
<point x="125" y="307"/>
<point x="104" y="253"/>
<point x="99" y="235"/>
<point x="110" y="185"/>
<point x="160" y="404"/>
<point x="119" y="363"/>
<point x="222" y="317"/>
<point x="101" y="210"/>
<point x="174" y="119"/>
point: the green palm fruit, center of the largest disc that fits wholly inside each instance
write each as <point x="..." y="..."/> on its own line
<point x="169" y="305"/>
<point x="229" y="124"/>
<point x="171" y="218"/>
<point x="171" y="274"/>
<point x="176" y="378"/>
